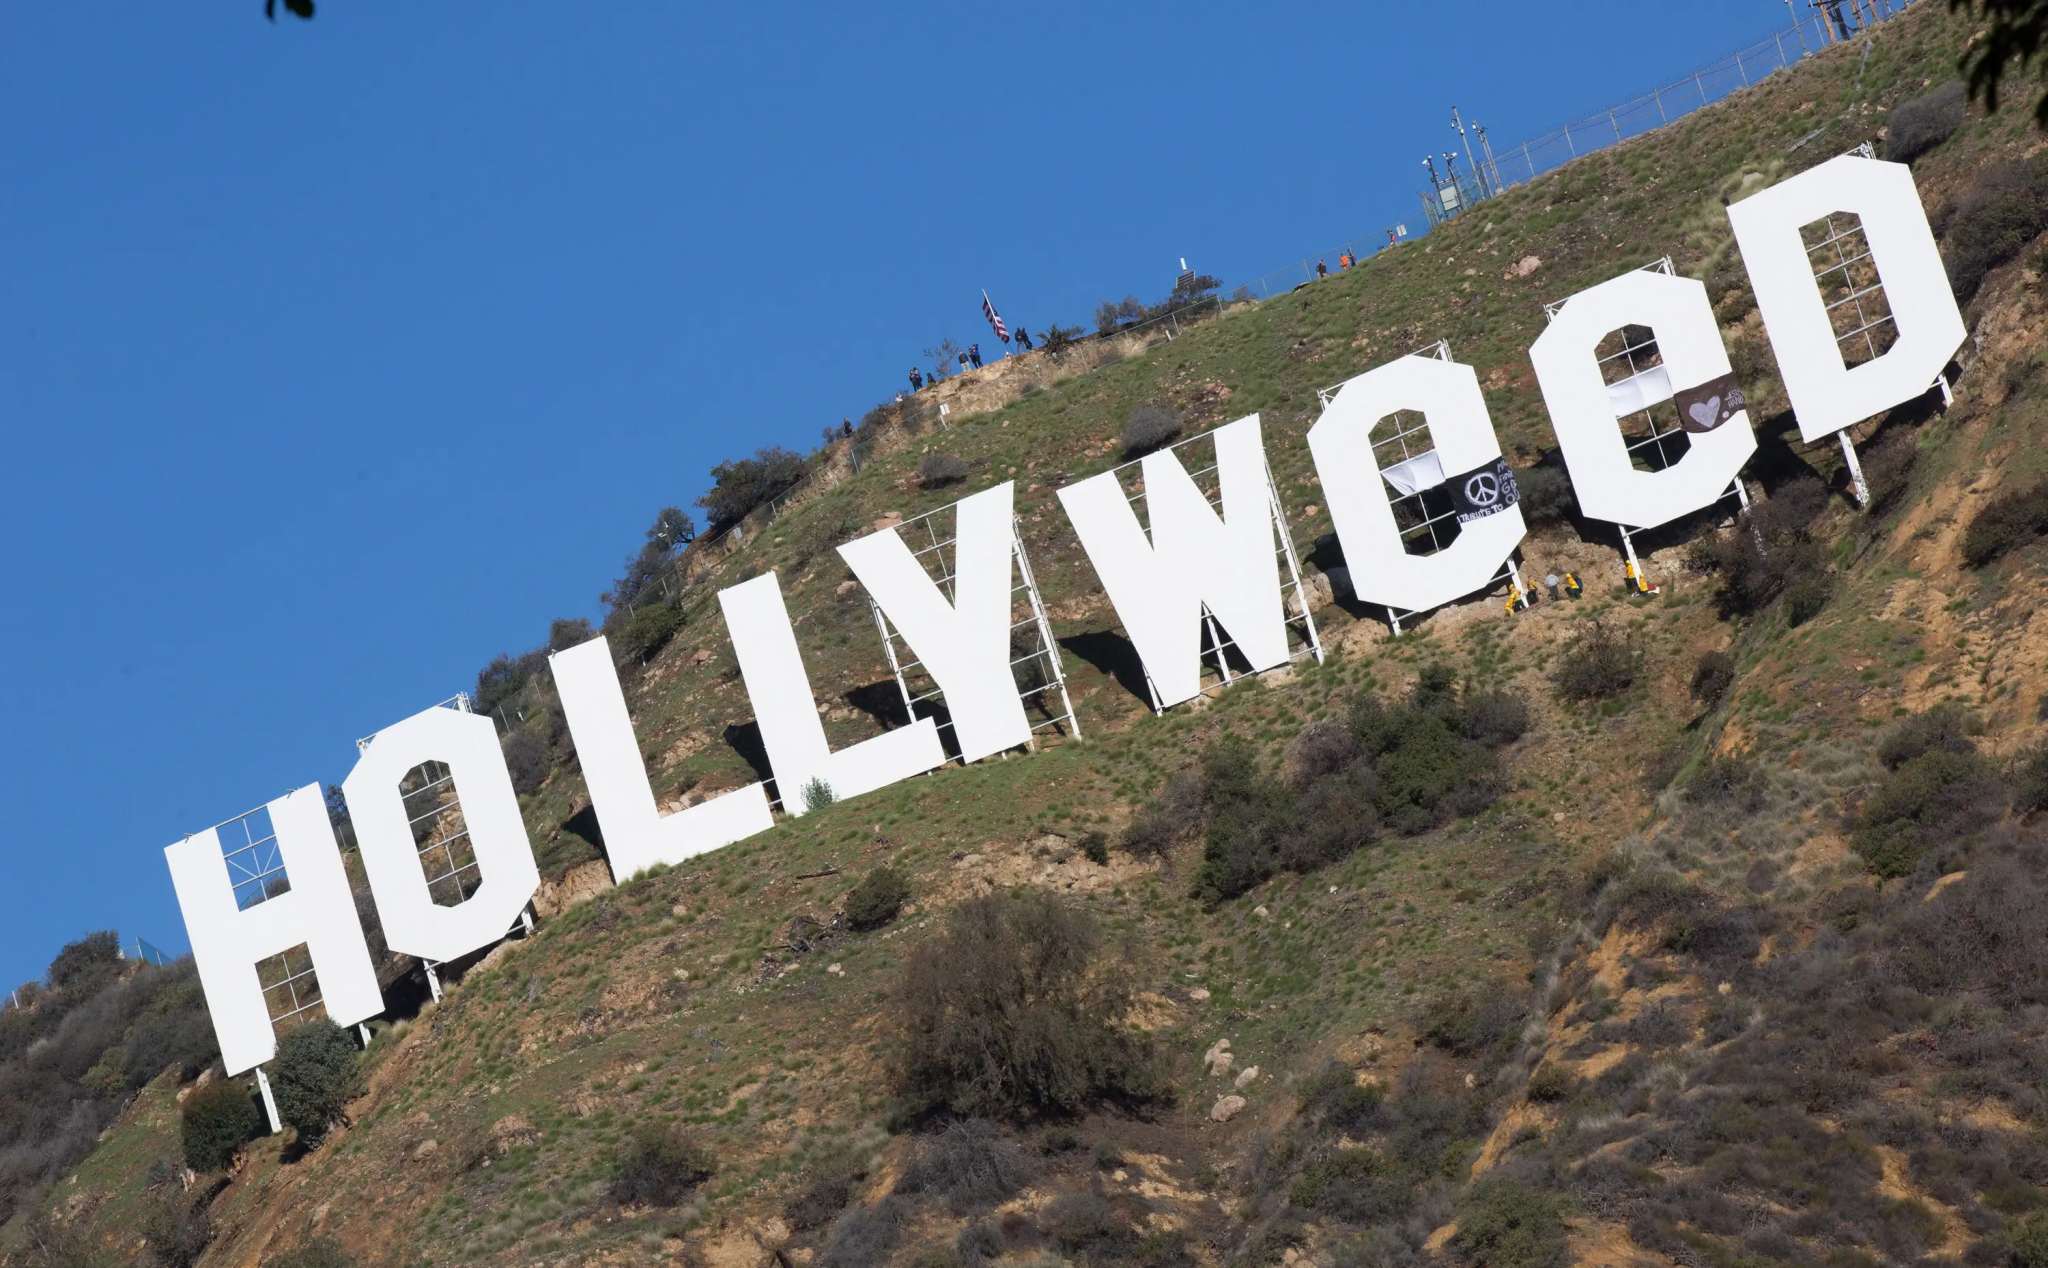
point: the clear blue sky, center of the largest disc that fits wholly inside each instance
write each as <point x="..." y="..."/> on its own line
<point x="336" y="357"/>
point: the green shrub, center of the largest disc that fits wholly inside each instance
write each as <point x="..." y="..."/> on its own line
<point x="1920" y="123"/>
<point x="936" y="470"/>
<point x="1600" y="665"/>
<point x="315" y="1075"/>
<point x="672" y="530"/>
<point x="1936" y="800"/>
<point x="1172" y="817"/>
<point x="818" y="794"/>
<point x="2028" y="1240"/>
<point x="1095" y="848"/>
<point x="1550" y="1083"/>
<point x="1494" y="718"/>
<point x="968" y="1163"/>
<point x="877" y="899"/>
<point x="1947" y="727"/>
<point x="1712" y="677"/>
<point x="1148" y="428"/>
<point x="826" y="1189"/>
<point x="865" y="1235"/>
<point x="84" y="966"/>
<point x="741" y="485"/>
<point x="1336" y="1101"/>
<point x="1355" y="1185"/>
<point x="659" y="1166"/>
<point x="1404" y="767"/>
<point x="2004" y="209"/>
<point x="217" y="1119"/>
<point x="1247" y="818"/>
<point x="2007" y="521"/>
<point x="1057" y="339"/>
<point x="641" y="633"/>
<point x="1805" y="597"/>
<point x="176" y="1232"/>
<point x="1317" y="751"/>
<point x="527" y="761"/>
<point x="1546" y="495"/>
<point x="1729" y="783"/>
<point x="504" y="678"/>
<point x="1771" y="550"/>
<point x="1505" y="1224"/>
<point x="1016" y="1009"/>
<point x="1475" y="1021"/>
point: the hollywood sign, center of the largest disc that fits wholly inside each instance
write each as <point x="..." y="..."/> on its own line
<point x="1199" y="563"/>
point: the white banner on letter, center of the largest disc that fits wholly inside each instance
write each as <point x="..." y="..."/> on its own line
<point x="414" y="924"/>
<point x="228" y="941"/>
<point x="1827" y="396"/>
<point x="780" y="689"/>
<point x="637" y="835"/>
<point x="1582" y="409"/>
<point x="1158" y="587"/>
<point x="963" y="644"/>
<point x="1447" y="394"/>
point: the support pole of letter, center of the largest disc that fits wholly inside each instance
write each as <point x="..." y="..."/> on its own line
<point x="1856" y="481"/>
<point x="269" y="1101"/>
<point x="1637" y="583"/>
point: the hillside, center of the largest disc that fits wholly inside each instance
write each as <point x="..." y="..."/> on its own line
<point x="1698" y="975"/>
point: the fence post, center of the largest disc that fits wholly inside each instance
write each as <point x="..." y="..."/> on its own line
<point x="1612" y="124"/>
<point x="1779" y="36"/>
<point x="1568" y="141"/>
<point x="1742" y="70"/>
<point x="1531" y="163"/>
<point x="1702" y="87"/>
<point x="1658" y="93"/>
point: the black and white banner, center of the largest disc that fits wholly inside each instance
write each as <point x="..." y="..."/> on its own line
<point x="1479" y="493"/>
<point x="1703" y="408"/>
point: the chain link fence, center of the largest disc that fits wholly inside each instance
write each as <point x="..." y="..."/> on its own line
<point x="1504" y="167"/>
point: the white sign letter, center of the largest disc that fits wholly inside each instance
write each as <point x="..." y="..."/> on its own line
<point x="1158" y="588"/>
<point x="1826" y="395"/>
<point x="963" y="644"/>
<point x="1584" y="408"/>
<point x="413" y="923"/>
<point x="1447" y="394"/>
<point x="773" y="670"/>
<point x="227" y="941"/>
<point x="636" y="834"/>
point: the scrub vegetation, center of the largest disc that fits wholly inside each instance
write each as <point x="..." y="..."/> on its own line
<point x="1702" y="928"/>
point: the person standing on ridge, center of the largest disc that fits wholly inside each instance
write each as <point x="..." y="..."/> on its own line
<point x="1023" y="339"/>
<point x="1322" y="270"/>
<point x="916" y="380"/>
<point x="963" y="363"/>
<point x="1833" y="8"/>
<point x="974" y="354"/>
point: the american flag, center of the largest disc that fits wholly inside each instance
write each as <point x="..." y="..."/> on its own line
<point x="995" y="319"/>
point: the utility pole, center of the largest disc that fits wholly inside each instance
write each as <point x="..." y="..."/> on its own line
<point x="1492" y="164"/>
<point x="1458" y="123"/>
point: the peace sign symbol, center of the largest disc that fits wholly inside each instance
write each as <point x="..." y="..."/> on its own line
<point x="1482" y="489"/>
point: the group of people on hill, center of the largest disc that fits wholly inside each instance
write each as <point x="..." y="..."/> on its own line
<point x="1344" y="262"/>
<point x="969" y="360"/>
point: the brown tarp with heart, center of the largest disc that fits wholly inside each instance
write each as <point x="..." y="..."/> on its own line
<point x="1703" y="408"/>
